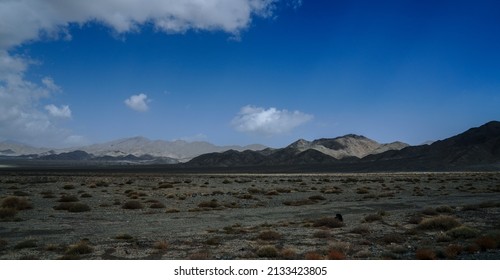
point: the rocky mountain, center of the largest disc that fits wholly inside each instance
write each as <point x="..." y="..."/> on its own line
<point x="321" y="151"/>
<point x="12" y="148"/>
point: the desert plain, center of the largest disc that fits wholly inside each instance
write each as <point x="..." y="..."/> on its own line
<point x="162" y="215"/>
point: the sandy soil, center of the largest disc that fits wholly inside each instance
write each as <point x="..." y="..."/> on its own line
<point x="250" y="216"/>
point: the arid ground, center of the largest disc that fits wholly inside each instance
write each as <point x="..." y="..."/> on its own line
<point x="249" y="216"/>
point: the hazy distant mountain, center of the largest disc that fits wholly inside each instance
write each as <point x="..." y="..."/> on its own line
<point x="325" y="150"/>
<point x="12" y="148"/>
<point x="179" y="149"/>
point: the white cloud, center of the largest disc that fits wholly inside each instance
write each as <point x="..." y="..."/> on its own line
<point x="24" y="20"/>
<point x="59" y="112"/>
<point x="268" y="121"/>
<point x="138" y="102"/>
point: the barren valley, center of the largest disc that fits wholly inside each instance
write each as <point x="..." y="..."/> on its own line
<point x="249" y="216"/>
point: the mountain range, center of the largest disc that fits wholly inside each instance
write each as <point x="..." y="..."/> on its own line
<point x="475" y="149"/>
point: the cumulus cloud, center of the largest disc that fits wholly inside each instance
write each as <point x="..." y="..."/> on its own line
<point x="268" y="121"/>
<point x="59" y="112"/>
<point x="24" y="20"/>
<point x="138" y="102"/>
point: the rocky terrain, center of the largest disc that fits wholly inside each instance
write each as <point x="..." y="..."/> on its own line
<point x="65" y="215"/>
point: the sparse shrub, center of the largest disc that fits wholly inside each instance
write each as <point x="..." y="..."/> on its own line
<point x="80" y="248"/>
<point x="438" y="223"/>
<point x="362" y="191"/>
<point x="272" y="192"/>
<point x="213" y="241"/>
<point x="157" y="205"/>
<point x="68" y="187"/>
<point x="336" y="255"/>
<point x="209" y="204"/>
<point x="124" y="237"/>
<point x="21" y="193"/>
<point x="444" y="209"/>
<point x="299" y="202"/>
<point x="132" y="204"/>
<point x="226" y="181"/>
<point x="85" y="195"/>
<point x="415" y="219"/>
<point x="429" y="211"/>
<point x="267" y="252"/>
<point x="165" y="186"/>
<point x="453" y="250"/>
<point x="486" y="243"/>
<point x="288" y="254"/>
<point x="72" y="207"/>
<point x="68" y="198"/>
<point x="329" y="222"/>
<point x="393" y="238"/>
<point x="3" y="244"/>
<point x="161" y="245"/>
<point x="201" y="255"/>
<point x="322" y="234"/>
<point x="172" y="210"/>
<point x="6" y="213"/>
<point x="30" y="243"/>
<point x="362" y="229"/>
<point x="425" y="254"/>
<point x="372" y="218"/>
<point x="269" y="235"/>
<point x="463" y="232"/>
<point x="313" y="256"/>
<point x="18" y="203"/>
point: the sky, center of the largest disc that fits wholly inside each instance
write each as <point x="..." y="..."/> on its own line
<point x="246" y="71"/>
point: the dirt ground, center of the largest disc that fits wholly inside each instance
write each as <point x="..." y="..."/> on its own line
<point x="250" y="216"/>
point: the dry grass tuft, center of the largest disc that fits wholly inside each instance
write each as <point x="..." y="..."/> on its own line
<point x="30" y="243"/>
<point x="80" y="248"/>
<point x="132" y="204"/>
<point x="453" y="250"/>
<point x="313" y="256"/>
<point x="68" y="198"/>
<point x="438" y="223"/>
<point x="161" y="245"/>
<point x="157" y="205"/>
<point x="18" y="203"/>
<point x="322" y="234"/>
<point x="336" y="255"/>
<point x="209" y="204"/>
<point x="6" y="213"/>
<point x="486" y="243"/>
<point x="463" y="232"/>
<point x="74" y="207"/>
<point x="124" y="237"/>
<point x="372" y="218"/>
<point x="288" y="254"/>
<point x="329" y="222"/>
<point x="269" y="235"/>
<point x="267" y="252"/>
<point x="425" y="254"/>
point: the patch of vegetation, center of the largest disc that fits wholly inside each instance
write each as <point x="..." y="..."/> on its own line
<point x="269" y="235"/>
<point x="172" y="210"/>
<point x="157" y="205"/>
<point x="74" y="207"/>
<point x="267" y="252"/>
<point x="329" y="222"/>
<point x="68" y="198"/>
<point x="209" y="204"/>
<point x="323" y="234"/>
<point x="30" y="243"/>
<point x="317" y="197"/>
<point x="425" y="254"/>
<point x="362" y="229"/>
<point x="124" y="237"/>
<point x="6" y="213"/>
<point x="288" y="254"/>
<point x="161" y="245"/>
<point x="18" y="203"/>
<point x="80" y="248"/>
<point x="299" y="202"/>
<point x="393" y="238"/>
<point x="462" y="232"/>
<point x="132" y="204"/>
<point x="486" y="243"/>
<point x="313" y="256"/>
<point x="438" y="223"/>
<point x="20" y="193"/>
<point x="336" y="255"/>
<point x="372" y="218"/>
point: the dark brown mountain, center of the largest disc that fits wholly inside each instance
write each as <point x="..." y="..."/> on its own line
<point x="476" y="149"/>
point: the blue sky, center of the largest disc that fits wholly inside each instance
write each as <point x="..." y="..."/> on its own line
<point x="246" y="71"/>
